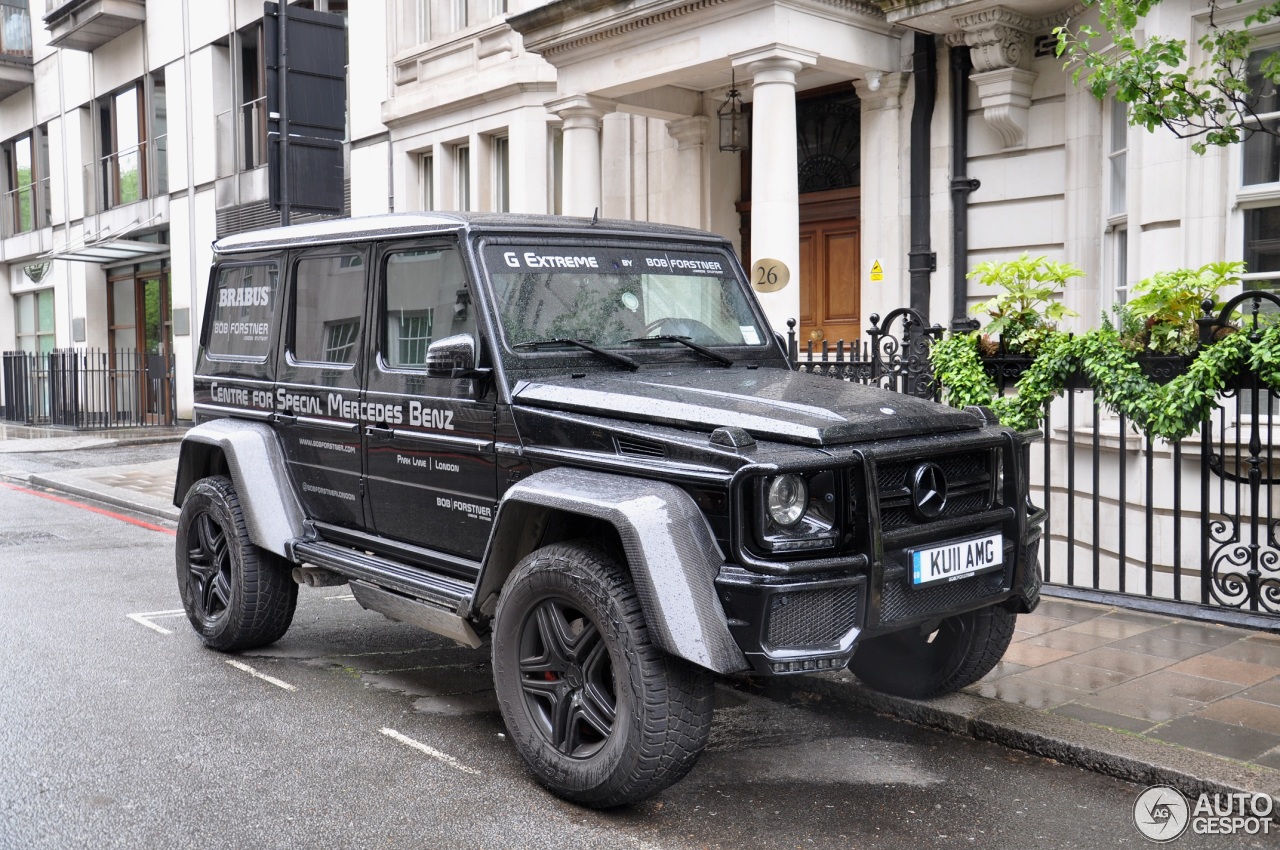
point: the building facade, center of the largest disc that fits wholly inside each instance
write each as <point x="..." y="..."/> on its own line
<point x="133" y="134"/>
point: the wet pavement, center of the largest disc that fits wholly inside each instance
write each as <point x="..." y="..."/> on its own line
<point x="1138" y="695"/>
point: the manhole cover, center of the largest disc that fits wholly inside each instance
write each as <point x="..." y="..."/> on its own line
<point x="23" y="538"/>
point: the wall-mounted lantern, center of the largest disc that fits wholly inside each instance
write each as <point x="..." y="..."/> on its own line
<point x="734" y="123"/>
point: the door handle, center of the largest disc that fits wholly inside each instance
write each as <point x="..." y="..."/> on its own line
<point x="284" y="419"/>
<point x="379" y="432"/>
<point x="816" y="335"/>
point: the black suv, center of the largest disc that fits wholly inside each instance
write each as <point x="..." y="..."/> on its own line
<point x="581" y="440"/>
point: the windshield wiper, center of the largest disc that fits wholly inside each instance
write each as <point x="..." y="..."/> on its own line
<point x="722" y="359"/>
<point x="620" y="359"/>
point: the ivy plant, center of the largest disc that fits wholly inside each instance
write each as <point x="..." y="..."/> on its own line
<point x="1107" y="359"/>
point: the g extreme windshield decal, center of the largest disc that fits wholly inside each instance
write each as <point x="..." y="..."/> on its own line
<point x="548" y="258"/>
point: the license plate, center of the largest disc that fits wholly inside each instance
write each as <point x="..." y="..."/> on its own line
<point x="955" y="561"/>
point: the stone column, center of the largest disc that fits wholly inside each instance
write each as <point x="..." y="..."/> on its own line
<point x="884" y="188"/>
<point x="692" y="201"/>
<point x="775" y="192"/>
<point x="581" y="116"/>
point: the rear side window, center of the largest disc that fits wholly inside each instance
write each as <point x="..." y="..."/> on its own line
<point x="244" y="298"/>
<point x="328" y="306"/>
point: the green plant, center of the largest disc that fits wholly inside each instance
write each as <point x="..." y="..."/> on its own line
<point x="1026" y="312"/>
<point x="1106" y="357"/>
<point x="1170" y="302"/>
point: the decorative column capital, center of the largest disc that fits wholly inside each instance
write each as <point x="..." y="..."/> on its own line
<point x="689" y="132"/>
<point x="580" y="111"/>
<point x="889" y="93"/>
<point x="775" y="64"/>
<point x="1006" y="102"/>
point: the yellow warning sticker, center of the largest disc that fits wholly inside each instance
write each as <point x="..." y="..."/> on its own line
<point x="877" y="271"/>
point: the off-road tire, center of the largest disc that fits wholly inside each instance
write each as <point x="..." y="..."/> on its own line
<point x="237" y="595"/>
<point x="914" y="664"/>
<point x="662" y="705"/>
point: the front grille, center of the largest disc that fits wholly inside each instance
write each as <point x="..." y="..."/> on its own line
<point x="969" y="489"/>
<point x="812" y="617"/>
<point x="899" y="601"/>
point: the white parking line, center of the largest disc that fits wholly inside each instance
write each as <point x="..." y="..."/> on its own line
<point x="347" y="596"/>
<point x="431" y="751"/>
<point x="144" y="619"/>
<point x="263" y="676"/>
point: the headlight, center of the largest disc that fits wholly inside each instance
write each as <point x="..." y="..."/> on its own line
<point x="787" y="499"/>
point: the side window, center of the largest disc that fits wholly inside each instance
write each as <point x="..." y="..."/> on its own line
<point x="244" y="298"/>
<point x="426" y="299"/>
<point x="328" y="300"/>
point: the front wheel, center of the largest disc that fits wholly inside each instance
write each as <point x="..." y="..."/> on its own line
<point x="918" y="664"/>
<point x="237" y="595"/>
<point x="601" y="716"/>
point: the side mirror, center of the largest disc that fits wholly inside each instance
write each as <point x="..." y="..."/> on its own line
<point x="452" y="357"/>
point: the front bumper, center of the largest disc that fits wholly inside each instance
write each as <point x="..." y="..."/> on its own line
<point x="803" y="624"/>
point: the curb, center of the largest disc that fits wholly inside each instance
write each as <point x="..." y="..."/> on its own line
<point x="104" y="497"/>
<point x="1097" y="748"/>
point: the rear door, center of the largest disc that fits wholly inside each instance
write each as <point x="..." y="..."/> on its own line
<point x="430" y="471"/>
<point x="318" y="382"/>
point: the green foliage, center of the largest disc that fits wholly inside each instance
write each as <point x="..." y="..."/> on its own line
<point x="1025" y="313"/>
<point x="1211" y="101"/>
<point x="956" y="357"/>
<point x="1106" y="357"/>
<point x="1168" y="303"/>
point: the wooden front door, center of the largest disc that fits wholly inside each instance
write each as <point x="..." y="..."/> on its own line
<point x="830" y="268"/>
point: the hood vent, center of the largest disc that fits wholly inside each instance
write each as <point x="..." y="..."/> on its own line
<point x="631" y="447"/>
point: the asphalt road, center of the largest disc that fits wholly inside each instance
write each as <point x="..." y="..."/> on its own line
<point x="118" y="729"/>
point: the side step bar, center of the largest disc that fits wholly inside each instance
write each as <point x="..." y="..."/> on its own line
<point x="398" y="591"/>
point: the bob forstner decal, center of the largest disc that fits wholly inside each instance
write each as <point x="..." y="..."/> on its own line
<point x="335" y="406"/>
<point x="605" y="260"/>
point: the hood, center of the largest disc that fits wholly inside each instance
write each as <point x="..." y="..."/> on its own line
<point x="770" y="404"/>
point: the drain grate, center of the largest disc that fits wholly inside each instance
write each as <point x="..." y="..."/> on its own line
<point x="23" y="538"/>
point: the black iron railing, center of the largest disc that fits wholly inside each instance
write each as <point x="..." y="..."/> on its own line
<point x="88" y="388"/>
<point x="1192" y="526"/>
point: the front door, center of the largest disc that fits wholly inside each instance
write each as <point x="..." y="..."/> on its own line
<point x="431" y="476"/>
<point x="140" y="322"/>
<point x="830" y="263"/>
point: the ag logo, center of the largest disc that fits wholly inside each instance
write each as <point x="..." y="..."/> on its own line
<point x="1161" y="813"/>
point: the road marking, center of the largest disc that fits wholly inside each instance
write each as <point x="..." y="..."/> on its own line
<point x="83" y="506"/>
<point x="144" y="619"/>
<point x="347" y="596"/>
<point x="431" y="751"/>
<point x="263" y="676"/>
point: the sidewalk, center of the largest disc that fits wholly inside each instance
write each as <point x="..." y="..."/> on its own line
<point x="1149" y="698"/>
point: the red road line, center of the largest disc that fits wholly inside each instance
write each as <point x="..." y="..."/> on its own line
<point x="83" y="506"/>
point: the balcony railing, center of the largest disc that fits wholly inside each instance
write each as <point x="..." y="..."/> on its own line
<point x="26" y="208"/>
<point x="15" y="33"/>
<point x="242" y="137"/>
<point x="127" y="176"/>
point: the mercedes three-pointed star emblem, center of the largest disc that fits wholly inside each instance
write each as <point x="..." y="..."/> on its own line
<point x="928" y="490"/>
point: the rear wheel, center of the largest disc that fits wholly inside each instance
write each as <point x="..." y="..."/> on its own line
<point x="919" y="664"/>
<point x="600" y="715"/>
<point x="237" y="595"/>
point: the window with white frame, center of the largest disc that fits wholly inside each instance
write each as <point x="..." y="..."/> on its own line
<point x="460" y="17"/>
<point x="34" y="321"/>
<point x="1260" y="178"/>
<point x="555" y="168"/>
<point x="427" y="180"/>
<point x="462" y="176"/>
<point x="1117" y="241"/>
<point x="501" y="151"/>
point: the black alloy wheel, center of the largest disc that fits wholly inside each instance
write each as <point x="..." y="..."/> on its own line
<point x="236" y="594"/>
<point x="567" y="678"/>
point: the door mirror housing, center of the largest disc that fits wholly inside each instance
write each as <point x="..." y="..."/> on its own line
<point x="452" y="357"/>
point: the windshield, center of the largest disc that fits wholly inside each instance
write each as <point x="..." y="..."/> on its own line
<point x="609" y="295"/>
